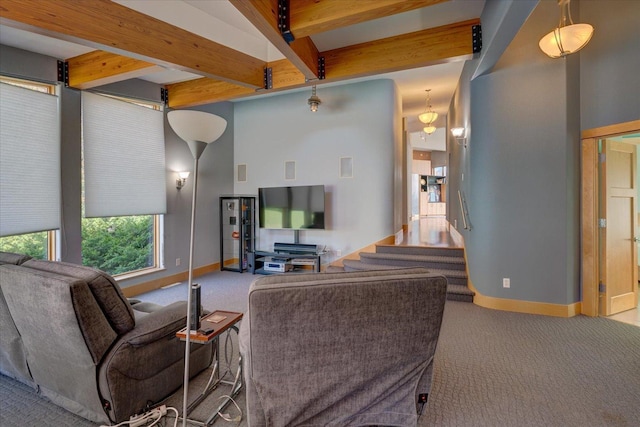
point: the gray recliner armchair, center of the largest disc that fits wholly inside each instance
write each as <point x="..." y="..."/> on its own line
<point x="341" y="349"/>
<point x="83" y="345"/>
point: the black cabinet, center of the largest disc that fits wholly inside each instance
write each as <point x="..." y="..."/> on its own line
<point x="237" y="231"/>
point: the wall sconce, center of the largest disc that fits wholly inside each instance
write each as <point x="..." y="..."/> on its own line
<point x="459" y="135"/>
<point x="568" y="37"/>
<point x="182" y="179"/>
<point x="314" y="101"/>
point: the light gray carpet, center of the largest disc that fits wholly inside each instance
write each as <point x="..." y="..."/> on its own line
<point x="492" y="368"/>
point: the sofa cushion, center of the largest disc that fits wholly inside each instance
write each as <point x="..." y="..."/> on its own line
<point x="11" y="258"/>
<point x="106" y="291"/>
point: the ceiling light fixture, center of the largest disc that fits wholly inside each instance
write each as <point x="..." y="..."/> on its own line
<point x="429" y="116"/>
<point x="314" y="101"/>
<point x="429" y="129"/>
<point x="568" y="38"/>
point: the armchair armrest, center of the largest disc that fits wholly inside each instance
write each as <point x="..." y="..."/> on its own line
<point x="158" y="324"/>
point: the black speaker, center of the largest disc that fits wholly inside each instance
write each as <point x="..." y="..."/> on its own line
<point x="196" y="308"/>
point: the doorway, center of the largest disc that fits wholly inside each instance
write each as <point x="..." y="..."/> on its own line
<point x="609" y="206"/>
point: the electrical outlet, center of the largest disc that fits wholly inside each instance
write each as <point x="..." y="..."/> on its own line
<point x="506" y="282"/>
<point x="178" y="261"/>
<point x="338" y="253"/>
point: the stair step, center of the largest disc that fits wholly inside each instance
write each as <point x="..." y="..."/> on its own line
<point x="357" y="265"/>
<point x="404" y="260"/>
<point x="459" y="293"/>
<point x="455" y="292"/>
<point x="421" y="250"/>
<point x="454" y="277"/>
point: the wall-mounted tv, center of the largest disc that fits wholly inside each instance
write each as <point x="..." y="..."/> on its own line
<point x="295" y="208"/>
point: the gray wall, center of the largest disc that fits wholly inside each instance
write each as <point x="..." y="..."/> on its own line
<point x="521" y="168"/>
<point x="610" y="64"/>
<point x="520" y="165"/>
<point x="357" y="120"/>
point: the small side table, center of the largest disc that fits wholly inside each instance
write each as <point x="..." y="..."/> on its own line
<point x="219" y="322"/>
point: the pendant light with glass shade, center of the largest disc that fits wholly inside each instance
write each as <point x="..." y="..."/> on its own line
<point x="568" y="38"/>
<point x="314" y="101"/>
<point x="429" y="116"/>
<point x="429" y="129"/>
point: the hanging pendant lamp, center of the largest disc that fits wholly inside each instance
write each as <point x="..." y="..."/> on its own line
<point x="568" y="38"/>
<point x="429" y="116"/>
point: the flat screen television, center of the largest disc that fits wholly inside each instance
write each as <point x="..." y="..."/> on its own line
<point x="295" y="208"/>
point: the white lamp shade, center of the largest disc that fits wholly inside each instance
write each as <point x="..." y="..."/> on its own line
<point x="566" y="40"/>
<point x="196" y="126"/>
<point x="457" y="132"/>
<point x="428" y="117"/>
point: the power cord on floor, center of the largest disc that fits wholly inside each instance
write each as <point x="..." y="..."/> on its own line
<point x="226" y="417"/>
<point x="148" y="419"/>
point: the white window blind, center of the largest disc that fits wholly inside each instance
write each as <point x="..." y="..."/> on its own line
<point x="124" y="165"/>
<point x="29" y="161"/>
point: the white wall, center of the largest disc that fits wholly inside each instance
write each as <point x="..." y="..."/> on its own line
<point x="356" y="120"/>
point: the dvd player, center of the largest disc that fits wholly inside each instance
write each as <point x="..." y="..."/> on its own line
<point x="280" y="267"/>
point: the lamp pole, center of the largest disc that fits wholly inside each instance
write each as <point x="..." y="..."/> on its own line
<point x="198" y="129"/>
<point x="197" y="148"/>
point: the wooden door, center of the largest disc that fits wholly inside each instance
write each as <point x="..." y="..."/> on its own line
<point x="619" y="250"/>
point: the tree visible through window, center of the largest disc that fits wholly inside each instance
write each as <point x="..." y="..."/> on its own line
<point x="119" y="245"/>
<point x="33" y="244"/>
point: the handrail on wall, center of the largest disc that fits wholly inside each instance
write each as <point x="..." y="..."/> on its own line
<point x="463" y="209"/>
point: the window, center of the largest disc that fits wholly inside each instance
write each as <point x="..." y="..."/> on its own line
<point x="121" y="245"/>
<point x="123" y="184"/>
<point x="21" y="214"/>
<point x="39" y="245"/>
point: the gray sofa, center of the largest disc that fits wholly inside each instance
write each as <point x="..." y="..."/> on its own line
<point x="69" y="332"/>
<point x="340" y="349"/>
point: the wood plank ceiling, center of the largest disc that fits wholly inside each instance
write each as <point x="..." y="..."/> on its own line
<point x="131" y="44"/>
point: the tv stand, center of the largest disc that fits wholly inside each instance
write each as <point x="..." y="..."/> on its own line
<point x="295" y="248"/>
<point x="286" y="258"/>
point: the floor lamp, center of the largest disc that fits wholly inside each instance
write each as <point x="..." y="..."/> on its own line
<point x="198" y="129"/>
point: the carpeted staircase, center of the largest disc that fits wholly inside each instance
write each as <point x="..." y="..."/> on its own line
<point x="446" y="261"/>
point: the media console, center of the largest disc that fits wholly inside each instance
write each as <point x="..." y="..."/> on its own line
<point x="286" y="258"/>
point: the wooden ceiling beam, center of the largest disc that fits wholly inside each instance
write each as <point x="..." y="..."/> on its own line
<point x="413" y="50"/>
<point x="422" y="48"/>
<point x="204" y="91"/>
<point x="263" y="14"/>
<point x="309" y="17"/>
<point x="115" y="28"/>
<point x="98" y="68"/>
